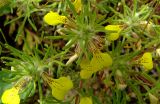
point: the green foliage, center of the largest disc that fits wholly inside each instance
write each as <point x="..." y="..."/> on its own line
<point x="29" y="47"/>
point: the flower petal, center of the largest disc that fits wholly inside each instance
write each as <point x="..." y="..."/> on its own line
<point x="101" y="60"/>
<point x="64" y="82"/>
<point x="10" y="96"/>
<point x="146" y="61"/>
<point x="59" y="86"/>
<point x="78" y="5"/>
<point x="87" y="69"/>
<point x="116" y="28"/>
<point x="115" y="35"/>
<point x="53" y="18"/>
<point x="86" y="74"/>
<point x="86" y="100"/>
<point x="98" y="62"/>
<point x="84" y="63"/>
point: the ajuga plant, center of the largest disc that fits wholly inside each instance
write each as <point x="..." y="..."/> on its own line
<point x="80" y="52"/>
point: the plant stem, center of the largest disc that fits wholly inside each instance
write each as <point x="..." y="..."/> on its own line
<point x="40" y="91"/>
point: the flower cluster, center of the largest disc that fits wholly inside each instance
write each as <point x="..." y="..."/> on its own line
<point x="84" y="29"/>
<point x="99" y="60"/>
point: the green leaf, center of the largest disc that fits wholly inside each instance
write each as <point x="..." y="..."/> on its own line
<point x="0" y="49"/>
<point x="5" y="84"/>
<point x="5" y="6"/>
<point x="57" y="37"/>
<point x="71" y="7"/>
<point x="29" y="90"/>
<point x="70" y="43"/>
<point x="32" y="24"/>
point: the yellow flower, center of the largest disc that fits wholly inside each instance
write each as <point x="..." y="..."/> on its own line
<point x="148" y="25"/>
<point x="10" y="96"/>
<point x="77" y="5"/>
<point x="146" y="61"/>
<point x="53" y="18"/>
<point x="116" y="31"/>
<point x="60" y="87"/>
<point x="87" y="69"/>
<point x="98" y="62"/>
<point x="86" y="74"/>
<point x="158" y="52"/>
<point x="101" y="60"/>
<point x="153" y="99"/>
<point x="86" y="100"/>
